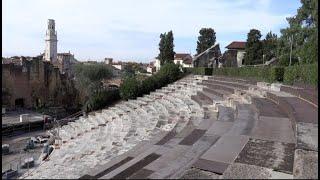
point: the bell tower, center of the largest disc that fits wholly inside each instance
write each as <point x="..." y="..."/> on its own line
<point x="50" y="53"/>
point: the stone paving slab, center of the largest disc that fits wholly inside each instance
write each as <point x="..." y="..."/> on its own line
<point x="215" y="94"/>
<point x="166" y="138"/>
<point x="304" y="112"/>
<point x="115" y="166"/>
<point x="305" y="164"/>
<point x="226" y="114"/>
<point x="228" y="83"/>
<point x="308" y="94"/>
<point x="226" y="149"/>
<point x="137" y="166"/>
<point x="268" y="108"/>
<point x="244" y="122"/>
<point x="219" y="86"/>
<point x="270" y="154"/>
<point x="274" y="129"/>
<point x="219" y="127"/>
<point x="193" y="154"/>
<point x="307" y="136"/>
<point x="168" y="156"/>
<point x="141" y="174"/>
<point x="245" y="171"/>
<point x="195" y="173"/>
<point x="212" y="166"/>
<point x="206" y="123"/>
<point x="138" y="158"/>
<point x="187" y="129"/>
<point x="193" y="137"/>
<point x="173" y="166"/>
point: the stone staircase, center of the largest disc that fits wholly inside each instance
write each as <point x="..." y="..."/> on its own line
<point x="197" y="127"/>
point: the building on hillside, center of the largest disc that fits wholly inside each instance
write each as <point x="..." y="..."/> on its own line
<point x="156" y="64"/>
<point x="151" y="68"/>
<point x="229" y="59"/>
<point x="237" y="49"/>
<point x="108" y="60"/>
<point x="65" y="62"/>
<point x="185" y="60"/>
<point x="119" y="65"/>
<point x="208" y="58"/>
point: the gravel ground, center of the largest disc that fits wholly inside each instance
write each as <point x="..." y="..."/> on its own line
<point x="17" y="143"/>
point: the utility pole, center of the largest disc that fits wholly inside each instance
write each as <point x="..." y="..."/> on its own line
<point x="291" y="48"/>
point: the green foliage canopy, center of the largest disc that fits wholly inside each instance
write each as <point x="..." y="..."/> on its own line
<point x="166" y="48"/>
<point x="206" y="39"/>
<point x="253" y="48"/>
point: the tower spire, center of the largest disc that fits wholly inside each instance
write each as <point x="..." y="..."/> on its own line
<point x="51" y="42"/>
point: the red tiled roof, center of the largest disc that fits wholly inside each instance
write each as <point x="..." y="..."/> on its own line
<point x="237" y="45"/>
<point x="180" y="55"/>
<point x="187" y="61"/>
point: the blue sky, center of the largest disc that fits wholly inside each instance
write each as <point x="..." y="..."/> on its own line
<point x="129" y="29"/>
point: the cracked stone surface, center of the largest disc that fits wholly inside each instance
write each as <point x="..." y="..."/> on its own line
<point x="305" y="165"/>
<point x="245" y="171"/>
<point x="270" y="154"/>
<point x="307" y="136"/>
<point x="195" y="173"/>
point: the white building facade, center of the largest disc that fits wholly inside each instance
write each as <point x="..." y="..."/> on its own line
<point x="185" y="60"/>
<point x="239" y="47"/>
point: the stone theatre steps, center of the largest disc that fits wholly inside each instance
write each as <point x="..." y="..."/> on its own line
<point x="243" y="122"/>
<point x="200" y="125"/>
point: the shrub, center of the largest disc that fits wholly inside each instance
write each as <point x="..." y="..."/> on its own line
<point x="305" y="74"/>
<point x="129" y="88"/>
<point x="132" y="88"/>
<point x="198" y="70"/>
<point x="149" y="84"/>
<point x="101" y="99"/>
<point x="277" y="74"/>
<point x="169" y="72"/>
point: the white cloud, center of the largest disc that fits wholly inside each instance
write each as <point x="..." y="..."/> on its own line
<point x="85" y="22"/>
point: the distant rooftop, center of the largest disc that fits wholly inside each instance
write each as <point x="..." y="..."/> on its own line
<point x="181" y="55"/>
<point x="237" y="45"/>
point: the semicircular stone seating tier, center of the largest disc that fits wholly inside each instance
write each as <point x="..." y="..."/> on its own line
<point x="255" y="137"/>
<point x="252" y="136"/>
<point x="112" y="132"/>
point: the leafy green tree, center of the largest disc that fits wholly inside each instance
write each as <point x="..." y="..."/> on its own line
<point x="270" y="46"/>
<point x="206" y="39"/>
<point x="303" y="33"/>
<point x="88" y="82"/>
<point x="253" y="48"/>
<point x="166" y="48"/>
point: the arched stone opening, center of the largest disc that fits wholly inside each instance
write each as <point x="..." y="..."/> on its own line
<point x="19" y="102"/>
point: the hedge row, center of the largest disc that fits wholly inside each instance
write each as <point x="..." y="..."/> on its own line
<point x="306" y="74"/>
<point x="198" y="71"/>
<point x="101" y="99"/>
<point x="131" y="88"/>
